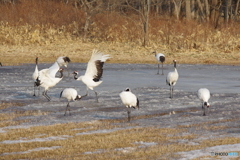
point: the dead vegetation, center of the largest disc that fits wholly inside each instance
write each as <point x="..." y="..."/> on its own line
<point x="124" y="143"/>
<point x="84" y="140"/>
<point x="29" y="32"/>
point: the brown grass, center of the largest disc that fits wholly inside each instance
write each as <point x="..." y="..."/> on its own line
<point x="120" y="53"/>
<point x="9" y="118"/>
<point x="112" y="145"/>
<point x="32" y="28"/>
<point x="119" y="144"/>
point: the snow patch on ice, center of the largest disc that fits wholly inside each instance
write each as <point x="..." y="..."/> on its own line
<point x="146" y="143"/>
<point x="36" y="139"/>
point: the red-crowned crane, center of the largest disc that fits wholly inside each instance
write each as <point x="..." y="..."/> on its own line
<point x="129" y="100"/>
<point x="93" y="74"/>
<point x="47" y="77"/>
<point x="204" y="96"/>
<point x="172" y="78"/>
<point x="71" y="95"/>
<point x="160" y="58"/>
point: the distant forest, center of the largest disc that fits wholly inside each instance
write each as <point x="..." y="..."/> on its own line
<point x="109" y="19"/>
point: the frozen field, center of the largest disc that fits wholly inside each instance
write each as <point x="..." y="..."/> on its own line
<point x="16" y="85"/>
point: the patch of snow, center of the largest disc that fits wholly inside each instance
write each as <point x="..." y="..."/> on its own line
<point x="146" y="143"/>
<point x="94" y="152"/>
<point x="36" y="139"/>
<point x="125" y="149"/>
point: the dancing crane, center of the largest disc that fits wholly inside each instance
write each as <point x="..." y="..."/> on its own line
<point x="46" y="77"/>
<point x="93" y="74"/>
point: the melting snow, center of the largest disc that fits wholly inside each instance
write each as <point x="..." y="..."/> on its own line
<point x="36" y="139"/>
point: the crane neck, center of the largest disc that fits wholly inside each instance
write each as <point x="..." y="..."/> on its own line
<point x="75" y="76"/>
<point x="36" y="60"/>
<point x="61" y="74"/>
<point x="175" y="65"/>
<point x="78" y="97"/>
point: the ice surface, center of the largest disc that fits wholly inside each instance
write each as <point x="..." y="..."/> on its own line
<point x="16" y="85"/>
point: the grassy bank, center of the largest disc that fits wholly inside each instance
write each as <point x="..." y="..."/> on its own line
<point x="104" y="139"/>
<point x="49" y="29"/>
<point x="120" y="52"/>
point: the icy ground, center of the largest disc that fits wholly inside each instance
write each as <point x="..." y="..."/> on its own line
<point x="16" y="85"/>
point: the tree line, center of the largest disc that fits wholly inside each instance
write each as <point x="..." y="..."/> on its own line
<point x="214" y="12"/>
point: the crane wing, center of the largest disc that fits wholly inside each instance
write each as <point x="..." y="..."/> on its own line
<point x="95" y="65"/>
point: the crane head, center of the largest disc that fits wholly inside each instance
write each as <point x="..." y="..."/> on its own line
<point x="206" y="104"/>
<point x="78" y="97"/>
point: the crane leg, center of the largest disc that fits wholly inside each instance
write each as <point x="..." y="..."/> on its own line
<point x="170" y="91"/>
<point x="129" y="113"/>
<point x="158" y="69"/>
<point x="46" y="96"/>
<point x="204" y="108"/>
<point x="96" y="95"/>
<point x="162" y="69"/>
<point x="34" y="88"/>
<point x="38" y="90"/>
<point x="67" y="109"/>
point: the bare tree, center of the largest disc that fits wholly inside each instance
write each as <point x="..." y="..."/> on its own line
<point x="236" y="9"/>
<point x="177" y="7"/>
<point x="143" y="8"/>
<point x="90" y="8"/>
<point x="207" y="10"/>
<point x="201" y="11"/>
<point x="225" y="8"/>
<point x="146" y="11"/>
<point x="188" y="9"/>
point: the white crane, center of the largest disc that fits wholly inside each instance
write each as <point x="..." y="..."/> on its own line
<point x="71" y="95"/>
<point x="160" y="58"/>
<point x="204" y="96"/>
<point x="35" y="76"/>
<point x="46" y="77"/>
<point x="129" y="100"/>
<point x="172" y="78"/>
<point x="93" y="74"/>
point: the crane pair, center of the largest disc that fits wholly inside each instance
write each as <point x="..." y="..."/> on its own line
<point x="46" y="78"/>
